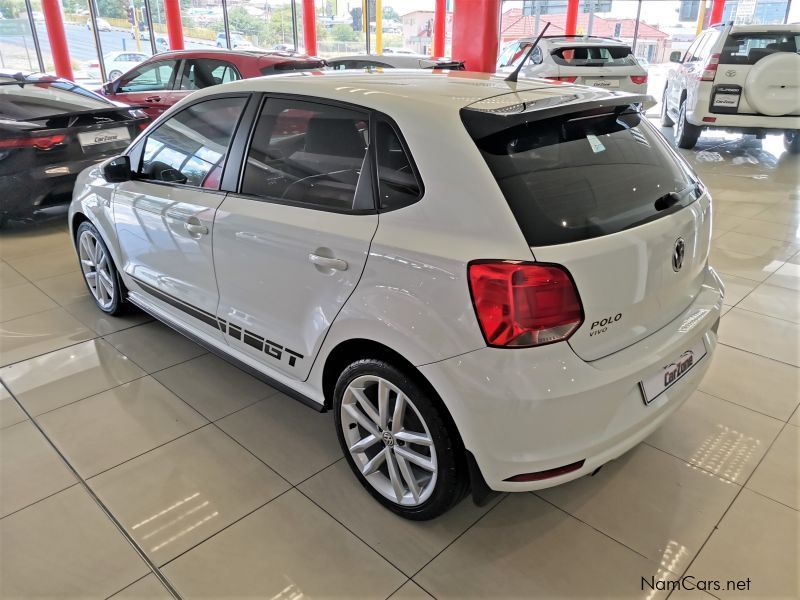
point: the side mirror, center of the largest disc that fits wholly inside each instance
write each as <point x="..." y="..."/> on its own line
<point x="118" y="169"/>
<point x="675" y="56"/>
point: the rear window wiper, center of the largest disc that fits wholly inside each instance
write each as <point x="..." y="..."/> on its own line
<point x="670" y="199"/>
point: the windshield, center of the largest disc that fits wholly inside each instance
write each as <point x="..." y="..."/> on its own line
<point x="36" y="99"/>
<point x="593" y="56"/>
<point x="582" y="175"/>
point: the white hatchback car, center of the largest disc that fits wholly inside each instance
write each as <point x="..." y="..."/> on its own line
<point x="494" y="285"/>
<point x="743" y="78"/>
<point x="594" y="61"/>
<point x="116" y="64"/>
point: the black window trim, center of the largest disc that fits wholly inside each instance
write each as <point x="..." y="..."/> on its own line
<point x="136" y="151"/>
<point x="170" y="84"/>
<point x="379" y="116"/>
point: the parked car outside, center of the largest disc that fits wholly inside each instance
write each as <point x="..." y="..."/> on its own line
<point x="164" y="79"/>
<point x="102" y="24"/>
<point x="116" y="63"/>
<point x="394" y="61"/>
<point x="741" y="78"/>
<point x="490" y="286"/>
<point x="162" y="42"/>
<point x="238" y="41"/>
<point x="594" y="61"/>
<point x="50" y="130"/>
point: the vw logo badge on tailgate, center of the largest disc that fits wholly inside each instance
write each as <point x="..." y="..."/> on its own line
<point x="678" y="254"/>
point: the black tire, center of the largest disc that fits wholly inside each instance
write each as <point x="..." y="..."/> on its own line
<point x="686" y="134"/>
<point x="452" y="478"/>
<point x="791" y="141"/>
<point x="114" y="74"/>
<point x="115" y="304"/>
<point x="666" y="120"/>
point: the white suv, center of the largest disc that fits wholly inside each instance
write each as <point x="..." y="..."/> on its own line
<point x="595" y="61"/>
<point x="738" y="78"/>
<point x="494" y="285"/>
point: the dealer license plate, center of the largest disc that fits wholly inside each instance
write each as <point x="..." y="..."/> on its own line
<point x="603" y="83"/>
<point x="104" y="136"/>
<point x="659" y="382"/>
<point x="726" y="100"/>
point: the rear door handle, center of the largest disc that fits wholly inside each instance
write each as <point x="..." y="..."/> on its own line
<point x="153" y="99"/>
<point x="328" y="263"/>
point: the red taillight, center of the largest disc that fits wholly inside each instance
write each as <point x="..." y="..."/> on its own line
<point x="42" y="142"/>
<point x="565" y="79"/>
<point x="524" y="304"/>
<point x="639" y="79"/>
<point x="710" y="68"/>
<point x="94" y="65"/>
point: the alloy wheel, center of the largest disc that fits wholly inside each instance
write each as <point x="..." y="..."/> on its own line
<point x="389" y="440"/>
<point x="680" y="121"/>
<point x="96" y="267"/>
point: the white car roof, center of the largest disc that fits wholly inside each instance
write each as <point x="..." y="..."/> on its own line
<point x="403" y="92"/>
<point x="792" y="27"/>
<point x="559" y="41"/>
<point x="399" y="61"/>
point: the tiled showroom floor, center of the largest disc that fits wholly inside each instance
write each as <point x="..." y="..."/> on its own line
<point x="233" y="490"/>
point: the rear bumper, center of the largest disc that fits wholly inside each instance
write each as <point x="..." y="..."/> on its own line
<point x="737" y="122"/>
<point x="526" y="411"/>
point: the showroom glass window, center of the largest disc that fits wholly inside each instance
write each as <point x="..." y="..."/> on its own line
<point x="201" y="73"/>
<point x="190" y="147"/>
<point x="307" y="153"/>
<point x="154" y="77"/>
<point x="397" y="183"/>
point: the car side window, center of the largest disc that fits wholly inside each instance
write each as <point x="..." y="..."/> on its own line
<point x="190" y="147"/>
<point x="201" y="73"/>
<point x="704" y="50"/>
<point x="397" y="183"/>
<point x="692" y="54"/>
<point x="148" y="78"/>
<point x="307" y="153"/>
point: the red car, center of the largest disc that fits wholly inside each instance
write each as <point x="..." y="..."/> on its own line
<point x="162" y="80"/>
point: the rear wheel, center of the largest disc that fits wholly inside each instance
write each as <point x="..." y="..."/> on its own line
<point x="114" y="74"/>
<point x="791" y="141"/>
<point x="666" y="120"/>
<point x="397" y="442"/>
<point x="99" y="271"/>
<point x="686" y="134"/>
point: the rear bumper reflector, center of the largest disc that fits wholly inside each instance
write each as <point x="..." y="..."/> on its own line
<point x="539" y="475"/>
<point x="709" y="119"/>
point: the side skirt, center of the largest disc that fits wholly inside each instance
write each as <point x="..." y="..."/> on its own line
<point x="232" y="360"/>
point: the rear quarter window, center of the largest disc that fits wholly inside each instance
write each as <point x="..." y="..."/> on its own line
<point x="581" y="175"/>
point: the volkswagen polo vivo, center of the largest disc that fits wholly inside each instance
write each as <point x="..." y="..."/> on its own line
<point x="493" y="285"/>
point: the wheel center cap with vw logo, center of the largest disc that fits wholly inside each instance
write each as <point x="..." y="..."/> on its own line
<point x="388" y="438"/>
<point x="677" y="254"/>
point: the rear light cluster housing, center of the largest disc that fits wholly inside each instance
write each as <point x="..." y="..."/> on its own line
<point x="564" y="79"/>
<point x="522" y="304"/>
<point x="710" y="68"/>
<point x="39" y="142"/>
<point x="639" y="79"/>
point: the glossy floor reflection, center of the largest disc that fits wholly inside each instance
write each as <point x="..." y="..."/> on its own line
<point x="232" y="490"/>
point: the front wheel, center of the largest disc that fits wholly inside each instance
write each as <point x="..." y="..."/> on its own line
<point x="686" y="134"/>
<point x="114" y="75"/>
<point x="791" y="141"/>
<point x="99" y="271"/>
<point x="397" y="442"/>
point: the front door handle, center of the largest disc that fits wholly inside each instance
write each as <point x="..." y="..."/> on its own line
<point x="153" y="99"/>
<point x="328" y="263"/>
<point x="196" y="229"/>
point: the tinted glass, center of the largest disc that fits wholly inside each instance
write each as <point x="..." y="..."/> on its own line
<point x="149" y="78"/>
<point x="201" y="73"/>
<point x="44" y="99"/>
<point x="593" y="56"/>
<point x="190" y="147"/>
<point x="749" y="48"/>
<point x="583" y="175"/>
<point x="397" y="184"/>
<point x="307" y="153"/>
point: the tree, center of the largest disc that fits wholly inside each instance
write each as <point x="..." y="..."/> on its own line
<point x="11" y="9"/>
<point x="391" y="14"/>
<point x="343" y="33"/>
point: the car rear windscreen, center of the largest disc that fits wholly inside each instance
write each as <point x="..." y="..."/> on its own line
<point x="581" y="175"/>
<point x="33" y="100"/>
<point x="593" y="56"/>
<point x="749" y="48"/>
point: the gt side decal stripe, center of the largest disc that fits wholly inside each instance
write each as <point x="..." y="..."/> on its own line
<point x="253" y="340"/>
